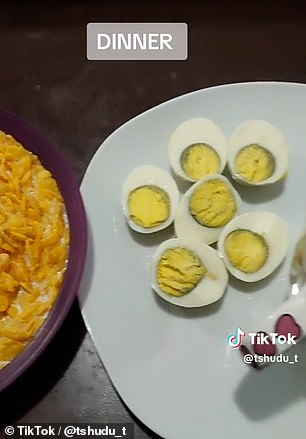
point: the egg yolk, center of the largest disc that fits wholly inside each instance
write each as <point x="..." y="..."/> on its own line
<point x="149" y="206"/>
<point x="246" y="250"/>
<point x="254" y="163"/>
<point x="199" y="160"/>
<point x="213" y="204"/>
<point x="179" y="271"/>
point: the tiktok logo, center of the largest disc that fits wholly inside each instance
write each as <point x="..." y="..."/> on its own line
<point x="235" y="340"/>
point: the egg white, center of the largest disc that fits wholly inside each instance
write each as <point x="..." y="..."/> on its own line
<point x="208" y="290"/>
<point x="266" y="135"/>
<point x="272" y="228"/>
<point x="187" y="227"/>
<point x="150" y="175"/>
<point x="196" y="130"/>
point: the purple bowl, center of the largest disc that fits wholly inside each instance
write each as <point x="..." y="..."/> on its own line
<point x="61" y="171"/>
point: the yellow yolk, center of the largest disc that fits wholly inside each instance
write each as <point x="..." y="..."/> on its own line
<point x="149" y="206"/>
<point x="179" y="271"/>
<point x="254" y="163"/>
<point x="246" y="250"/>
<point x="200" y="160"/>
<point x="213" y="204"/>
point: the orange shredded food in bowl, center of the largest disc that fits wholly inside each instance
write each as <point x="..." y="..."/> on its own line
<point x="34" y="242"/>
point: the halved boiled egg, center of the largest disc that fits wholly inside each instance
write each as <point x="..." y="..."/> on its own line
<point x="149" y="199"/>
<point x="188" y="274"/>
<point x="253" y="245"/>
<point x="206" y="208"/>
<point x="197" y="148"/>
<point x="258" y="153"/>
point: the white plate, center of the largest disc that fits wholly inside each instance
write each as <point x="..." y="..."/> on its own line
<point x="172" y="366"/>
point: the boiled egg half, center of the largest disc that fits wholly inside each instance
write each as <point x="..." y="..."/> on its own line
<point x="253" y="245"/>
<point x="258" y="153"/>
<point x="206" y="208"/>
<point x="149" y="199"/>
<point x="188" y="274"/>
<point x="197" y="148"/>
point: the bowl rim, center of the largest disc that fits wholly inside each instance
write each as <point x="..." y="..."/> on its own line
<point x="52" y="160"/>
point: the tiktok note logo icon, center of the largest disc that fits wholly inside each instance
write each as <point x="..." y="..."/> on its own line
<point x="235" y="340"/>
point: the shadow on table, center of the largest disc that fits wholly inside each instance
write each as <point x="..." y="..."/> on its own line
<point x="39" y="379"/>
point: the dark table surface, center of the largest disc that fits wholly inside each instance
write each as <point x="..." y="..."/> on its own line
<point x="46" y="79"/>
